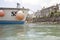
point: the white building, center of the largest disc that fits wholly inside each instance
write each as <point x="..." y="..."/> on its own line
<point x="46" y="11"/>
<point x="38" y="13"/>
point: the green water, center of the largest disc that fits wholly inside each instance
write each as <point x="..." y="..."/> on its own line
<point x="31" y="31"/>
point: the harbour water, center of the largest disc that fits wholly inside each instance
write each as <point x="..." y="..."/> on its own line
<point x="30" y="31"/>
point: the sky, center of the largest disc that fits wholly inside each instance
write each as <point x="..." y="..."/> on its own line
<point x="31" y="4"/>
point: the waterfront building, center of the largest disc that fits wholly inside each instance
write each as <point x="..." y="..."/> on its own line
<point x="38" y="13"/>
<point x="46" y="11"/>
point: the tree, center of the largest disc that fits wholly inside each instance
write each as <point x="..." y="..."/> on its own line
<point x="51" y="14"/>
<point x="57" y="14"/>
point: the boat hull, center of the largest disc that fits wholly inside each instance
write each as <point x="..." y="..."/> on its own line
<point x="12" y="22"/>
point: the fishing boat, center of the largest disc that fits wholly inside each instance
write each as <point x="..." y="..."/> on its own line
<point x="13" y="15"/>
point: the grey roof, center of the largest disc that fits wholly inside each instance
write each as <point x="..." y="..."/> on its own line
<point x="51" y="7"/>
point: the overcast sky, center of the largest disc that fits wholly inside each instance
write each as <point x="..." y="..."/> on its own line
<point x="31" y="4"/>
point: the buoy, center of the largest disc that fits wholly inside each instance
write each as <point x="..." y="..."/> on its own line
<point x="2" y="13"/>
<point x="19" y="15"/>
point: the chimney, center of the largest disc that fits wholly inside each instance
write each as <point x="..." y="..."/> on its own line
<point x="18" y="5"/>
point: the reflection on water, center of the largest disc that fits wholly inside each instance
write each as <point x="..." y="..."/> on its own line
<point x="12" y="32"/>
<point x="30" y="32"/>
